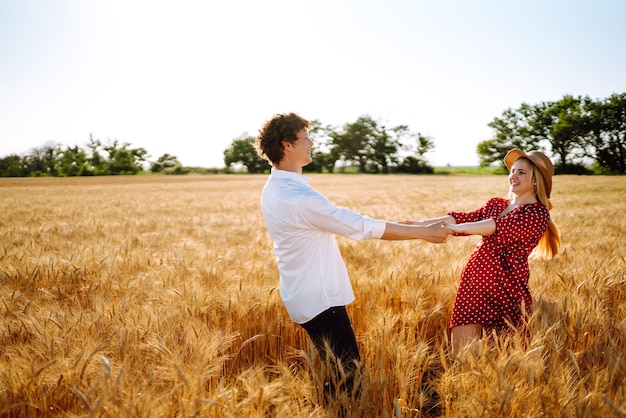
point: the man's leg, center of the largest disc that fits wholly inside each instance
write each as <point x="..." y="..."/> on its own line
<point x="333" y="327"/>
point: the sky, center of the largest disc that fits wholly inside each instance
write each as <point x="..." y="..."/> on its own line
<point x="187" y="77"/>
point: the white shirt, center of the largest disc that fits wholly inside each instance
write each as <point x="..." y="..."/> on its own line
<point x="303" y="224"/>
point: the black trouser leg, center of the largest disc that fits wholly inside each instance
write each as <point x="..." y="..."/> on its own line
<point x="333" y="327"/>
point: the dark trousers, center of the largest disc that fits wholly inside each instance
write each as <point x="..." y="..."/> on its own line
<point x="333" y="327"/>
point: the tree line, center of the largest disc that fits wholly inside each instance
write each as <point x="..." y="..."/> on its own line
<point x="583" y="136"/>
<point x="99" y="159"/>
<point x="366" y="144"/>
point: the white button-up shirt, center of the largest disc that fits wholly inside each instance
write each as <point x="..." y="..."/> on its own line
<point x="303" y="224"/>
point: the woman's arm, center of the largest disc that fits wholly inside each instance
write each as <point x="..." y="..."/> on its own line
<point x="485" y="227"/>
<point x="448" y="219"/>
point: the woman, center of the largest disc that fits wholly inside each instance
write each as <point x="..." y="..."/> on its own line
<point x="493" y="293"/>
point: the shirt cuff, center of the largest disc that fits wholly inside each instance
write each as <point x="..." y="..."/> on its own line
<point x="378" y="228"/>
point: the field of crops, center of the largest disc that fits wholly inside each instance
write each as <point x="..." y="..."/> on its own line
<point x="157" y="296"/>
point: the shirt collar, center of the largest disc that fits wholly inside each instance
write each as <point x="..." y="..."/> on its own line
<point x="290" y="175"/>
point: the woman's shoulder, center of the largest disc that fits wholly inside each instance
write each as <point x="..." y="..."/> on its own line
<point x="537" y="207"/>
<point x="498" y="201"/>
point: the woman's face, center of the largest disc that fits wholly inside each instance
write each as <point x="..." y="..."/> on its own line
<point x="521" y="179"/>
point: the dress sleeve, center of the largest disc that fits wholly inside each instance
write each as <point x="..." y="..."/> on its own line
<point x="474" y="216"/>
<point x="524" y="224"/>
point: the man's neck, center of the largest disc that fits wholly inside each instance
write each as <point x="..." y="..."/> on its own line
<point x="287" y="166"/>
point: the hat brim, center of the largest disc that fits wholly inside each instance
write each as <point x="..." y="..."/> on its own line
<point x="512" y="156"/>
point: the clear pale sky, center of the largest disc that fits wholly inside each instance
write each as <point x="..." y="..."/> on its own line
<point x="187" y="77"/>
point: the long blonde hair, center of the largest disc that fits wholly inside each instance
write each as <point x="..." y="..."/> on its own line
<point x="550" y="241"/>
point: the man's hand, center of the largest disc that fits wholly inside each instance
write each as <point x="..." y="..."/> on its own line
<point x="439" y="232"/>
<point x="434" y="232"/>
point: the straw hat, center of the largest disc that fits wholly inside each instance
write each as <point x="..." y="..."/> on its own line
<point x="542" y="162"/>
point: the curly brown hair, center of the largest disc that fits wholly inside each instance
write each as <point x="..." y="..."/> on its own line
<point x="282" y="127"/>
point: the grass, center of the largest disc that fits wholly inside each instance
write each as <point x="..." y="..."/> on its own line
<point x="470" y="170"/>
<point x="157" y="296"/>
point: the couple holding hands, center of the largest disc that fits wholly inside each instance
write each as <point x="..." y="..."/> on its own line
<point x="493" y="293"/>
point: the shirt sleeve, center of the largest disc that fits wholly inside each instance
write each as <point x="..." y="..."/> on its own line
<point x="315" y="211"/>
<point x="526" y="224"/>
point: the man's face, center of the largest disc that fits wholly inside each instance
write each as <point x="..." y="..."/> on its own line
<point x="301" y="148"/>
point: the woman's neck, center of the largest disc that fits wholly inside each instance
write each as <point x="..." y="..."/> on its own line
<point x="524" y="199"/>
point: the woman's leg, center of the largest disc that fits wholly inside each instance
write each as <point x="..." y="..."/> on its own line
<point x="463" y="335"/>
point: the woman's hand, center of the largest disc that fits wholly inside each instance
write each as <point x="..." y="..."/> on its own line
<point x="454" y="229"/>
<point x="485" y="227"/>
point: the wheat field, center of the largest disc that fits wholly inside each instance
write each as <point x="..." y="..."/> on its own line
<point x="157" y="296"/>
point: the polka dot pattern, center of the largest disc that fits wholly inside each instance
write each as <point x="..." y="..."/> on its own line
<point x="494" y="282"/>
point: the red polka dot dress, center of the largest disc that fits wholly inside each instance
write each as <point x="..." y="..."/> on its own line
<point x="494" y="282"/>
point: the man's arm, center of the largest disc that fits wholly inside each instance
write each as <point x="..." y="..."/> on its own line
<point x="432" y="233"/>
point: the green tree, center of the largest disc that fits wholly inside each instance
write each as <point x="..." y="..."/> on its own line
<point x="242" y="151"/>
<point x="122" y="162"/>
<point x="163" y="162"/>
<point x="384" y="149"/>
<point x="13" y="166"/>
<point x="72" y="162"/>
<point x="376" y="148"/>
<point x="354" y="141"/>
<point x="98" y="164"/>
<point x="564" y="125"/>
<point x="512" y="130"/>
<point x="417" y="145"/>
<point x="42" y="161"/>
<point x="608" y="133"/>
<point x="125" y="160"/>
<point x="424" y="144"/>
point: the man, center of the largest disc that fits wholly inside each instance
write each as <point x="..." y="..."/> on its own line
<point x="314" y="282"/>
